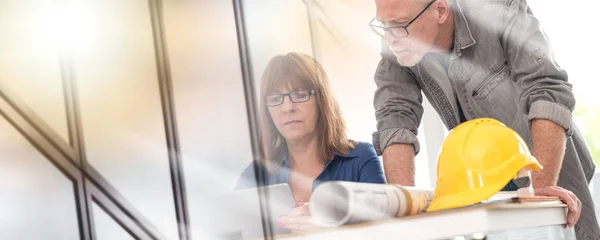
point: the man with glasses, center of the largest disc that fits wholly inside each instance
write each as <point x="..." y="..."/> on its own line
<point x="475" y="59"/>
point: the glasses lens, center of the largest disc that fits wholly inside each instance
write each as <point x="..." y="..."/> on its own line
<point x="379" y="30"/>
<point x="274" y="100"/>
<point x="300" y="96"/>
<point x="399" y="32"/>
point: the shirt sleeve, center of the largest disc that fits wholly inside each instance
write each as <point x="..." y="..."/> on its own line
<point x="371" y="169"/>
<point x="398" y="106"/>
<point x="546" y="92"/>
<point x="247" y="179"/>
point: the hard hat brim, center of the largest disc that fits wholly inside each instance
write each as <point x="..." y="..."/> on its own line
<point x="472" y="197"/>
<point x="464" y="198"/>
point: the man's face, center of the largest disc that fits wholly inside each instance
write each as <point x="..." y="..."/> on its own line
<point x="422" y="32"/>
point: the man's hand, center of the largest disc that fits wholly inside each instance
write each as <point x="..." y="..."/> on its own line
<point x="573" y="203"/>
<point x="399" y="164"/>
<point x="548" y="148"/>
<point x="298" y="220"/>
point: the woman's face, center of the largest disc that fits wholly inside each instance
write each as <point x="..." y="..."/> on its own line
<point x="295" y="118"/>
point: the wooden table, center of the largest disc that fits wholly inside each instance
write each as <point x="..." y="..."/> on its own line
<point x="502" y="220"/>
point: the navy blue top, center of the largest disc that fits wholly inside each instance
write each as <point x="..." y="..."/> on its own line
<point x="360" y="165"/>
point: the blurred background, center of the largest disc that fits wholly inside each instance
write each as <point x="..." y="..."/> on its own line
<point x="122" y="119"/>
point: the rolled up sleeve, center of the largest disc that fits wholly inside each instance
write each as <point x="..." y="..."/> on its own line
<point x="384" y="138"/>
<point x="397" y="104"/>
<point x="547" y="94"/>
<point x="552" y="111"/>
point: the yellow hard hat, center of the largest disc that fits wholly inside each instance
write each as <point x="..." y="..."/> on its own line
<point x="478" y="158"/>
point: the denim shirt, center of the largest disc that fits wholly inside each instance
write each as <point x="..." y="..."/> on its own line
<point x="361" y="164"/>
<point x="501" y="67"/>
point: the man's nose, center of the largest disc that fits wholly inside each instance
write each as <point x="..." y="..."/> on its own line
<point x="388" y="38"/>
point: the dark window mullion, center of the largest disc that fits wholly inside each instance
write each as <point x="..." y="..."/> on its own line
<point x="49" y="150"/>
<point x="27" y="115"/>
<point x="60" y="154"/>
<point x="76" y="142"/>
<point x="251" y="111"/>
<point x="105" y="194"/>
<point x="131" y="225"/>
<point x="169" y="119"/>
<point x="28" y="124"/>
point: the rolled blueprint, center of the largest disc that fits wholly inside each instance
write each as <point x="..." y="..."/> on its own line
<point x="338" y="203"/>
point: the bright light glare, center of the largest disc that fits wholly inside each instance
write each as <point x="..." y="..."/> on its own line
<point x="71" y="26"/>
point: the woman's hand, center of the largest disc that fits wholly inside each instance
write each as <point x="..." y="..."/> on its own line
<point x="298" y="220"/>
<point x="573" y="203"/>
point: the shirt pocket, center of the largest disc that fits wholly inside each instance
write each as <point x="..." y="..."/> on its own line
<point x="489" y="83"/>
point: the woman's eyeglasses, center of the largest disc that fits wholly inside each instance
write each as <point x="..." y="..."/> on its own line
<point x="296" y="96"/>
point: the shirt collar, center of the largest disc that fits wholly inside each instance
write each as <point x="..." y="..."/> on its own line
<point x="462" y="33"/>
<point x="337" y="155"/>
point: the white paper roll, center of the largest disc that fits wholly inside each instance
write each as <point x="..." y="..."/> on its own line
<point x="337" y="203"/>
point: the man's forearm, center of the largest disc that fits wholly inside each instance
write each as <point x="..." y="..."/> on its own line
<point x="548" y="147"/>
<point x="399" y="164"/>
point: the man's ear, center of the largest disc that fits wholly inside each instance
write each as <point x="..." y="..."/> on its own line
<point x="443" y="10"/>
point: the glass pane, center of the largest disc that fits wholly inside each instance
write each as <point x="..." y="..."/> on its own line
<point x="349" y="51"/>
<point x="578" y="59"/>
<point x="580" y="62"/>
<point x="275" y="27"/>
<point x="37" y="200"/>
<point x="120" y="104"/>
<point x="29" y="63"/>
<point x="350" y="78"/>
<point x="106" y="227"/>
<point x="595" y="191"/>
<point x="211" y="110"/>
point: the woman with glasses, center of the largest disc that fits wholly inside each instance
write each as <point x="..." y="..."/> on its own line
<point x="304" y="137"/>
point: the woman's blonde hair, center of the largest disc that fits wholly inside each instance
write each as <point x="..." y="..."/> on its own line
<point x="296" y="70"/>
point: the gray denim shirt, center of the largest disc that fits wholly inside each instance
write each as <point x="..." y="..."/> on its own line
<point x="501" y="67"/>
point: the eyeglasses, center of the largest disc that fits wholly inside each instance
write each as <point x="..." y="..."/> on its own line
<point x="296" y="96"/>
<point x="396" y="31"/>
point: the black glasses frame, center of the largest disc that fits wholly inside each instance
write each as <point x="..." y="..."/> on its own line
<point x="289" y="95"/>
<point x="390" y="29"/>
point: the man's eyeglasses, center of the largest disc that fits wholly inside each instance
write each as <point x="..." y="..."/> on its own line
<point x="296" y="96"/>
<point x="395" y="31"/>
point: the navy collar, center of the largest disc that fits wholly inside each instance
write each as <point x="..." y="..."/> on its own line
<point x="284" y="159"/>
